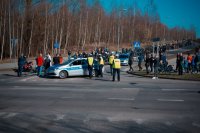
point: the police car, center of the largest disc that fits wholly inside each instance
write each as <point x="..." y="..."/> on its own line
<point x="76" y="67"/>
<point x="124" y="59"/>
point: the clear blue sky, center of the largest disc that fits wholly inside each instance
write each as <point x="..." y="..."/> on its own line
<point x="182" y="13"/>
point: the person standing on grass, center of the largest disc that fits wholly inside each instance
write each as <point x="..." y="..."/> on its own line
<point x="21" y="62"/>
<point x="147" y="63"/>
<point x="189" y="58"/>
<point x="185" y="62"/>
<point x="151" y="61"/>
<point x="40" y="62"/>
<point x="156" y="65"/>
<point x="180" y="64"/>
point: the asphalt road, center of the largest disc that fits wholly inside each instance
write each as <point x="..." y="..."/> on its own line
<point x="98" y="105"/>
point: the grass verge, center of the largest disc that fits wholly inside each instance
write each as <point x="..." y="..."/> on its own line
<point x="185" y="76"/>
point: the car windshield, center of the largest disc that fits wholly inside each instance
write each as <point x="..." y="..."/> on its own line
<point x="66" y="62"/>
<point x="123" y="56"/>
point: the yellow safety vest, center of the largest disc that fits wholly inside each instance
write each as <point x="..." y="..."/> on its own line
<point x="116" y="64"/>
<point x="111" y="58"/>
<point x="90" y="61"/>
<point x="101" y="61"/>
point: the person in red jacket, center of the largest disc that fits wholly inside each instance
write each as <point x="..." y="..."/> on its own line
<point x="40" y="62"/>
<point x="60" y="59"/>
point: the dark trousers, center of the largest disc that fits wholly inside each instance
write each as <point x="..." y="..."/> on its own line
<point x="151" y="67"/>
<point x="189" y="66"/>
<point x="131" y="68"/>
<point x="147" y="68"/>
<point x="155" y="71"/>
<point x="39" y="70"/>
<point x="111" y="69"/>
<point x="100" y="70"/>
<point x="180" y="70"/>
<point x="90" y="71"/>
<point x="140" y="66"/>
<point x="20" y="69"/>
<point x="118" y="74"/>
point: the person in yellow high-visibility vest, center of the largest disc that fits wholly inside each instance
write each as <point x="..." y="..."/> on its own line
<point x="101" y="64"/>
<point x="90" y="60"/>
<point x="111" y="58"/>
<point x="116" y="67"/>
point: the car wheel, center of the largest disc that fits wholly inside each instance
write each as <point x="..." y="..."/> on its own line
<point x="63" y="74"/>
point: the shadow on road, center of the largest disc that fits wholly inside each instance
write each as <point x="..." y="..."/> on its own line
<point x="10" y="75"/>
<point x="103" y="80"/>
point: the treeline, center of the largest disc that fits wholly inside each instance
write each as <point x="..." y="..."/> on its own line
<point x="33" y="26"/>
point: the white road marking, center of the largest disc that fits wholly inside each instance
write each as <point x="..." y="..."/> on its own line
<point x="174" y="89"/>
<point x="196" y="124"/>
<point x="16" y="86"/>
<point x="128" y="88"/>
<point x="10" y="115"/>
<point x="59" y="117"/>
<point x="139" y="121"/>
<point x="123" y="99"/>
<point x="170" y="100"/>
<point x="2" y="113"/>
<point x="27" y="79"/>
<point x="168" y="123"/>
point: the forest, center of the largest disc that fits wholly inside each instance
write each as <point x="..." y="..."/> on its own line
<point x="34" y="26"/>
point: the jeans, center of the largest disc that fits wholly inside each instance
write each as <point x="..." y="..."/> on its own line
<point x="118" y="74"/>
<point x="39" y="70"/>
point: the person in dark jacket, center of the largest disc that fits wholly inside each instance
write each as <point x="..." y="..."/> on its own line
<point x="156" y="65"/>
<point x="130" y="63"/>
<point x="151" y="61"/>
<point x="56" y="60"/>
<point x="21" y="62"/>
<point x="47" y="63"/>
<point x="180" y="64"/>
<point x="147" y="63"/>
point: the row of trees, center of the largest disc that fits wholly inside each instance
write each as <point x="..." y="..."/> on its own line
<point x="33" y="26"/>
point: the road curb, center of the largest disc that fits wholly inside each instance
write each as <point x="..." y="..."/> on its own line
<point x="151" y="76"/>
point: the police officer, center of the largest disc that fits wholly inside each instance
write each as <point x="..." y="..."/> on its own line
<point x="21" y="62"/>
<point x="101" y="64"/>
<point x="116" y="67"/>
<point x="111" y="58"/>
<point x="90" y="61"/>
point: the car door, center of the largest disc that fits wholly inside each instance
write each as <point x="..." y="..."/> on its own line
<point x="75" y="68"/>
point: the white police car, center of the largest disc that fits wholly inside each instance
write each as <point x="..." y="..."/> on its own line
<point x="76" y="67"/>
<point x="124" y="59"/>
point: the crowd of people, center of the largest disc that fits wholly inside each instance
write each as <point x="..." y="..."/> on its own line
<point x="184" y="64"/>
<point x="188" y="64"/>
